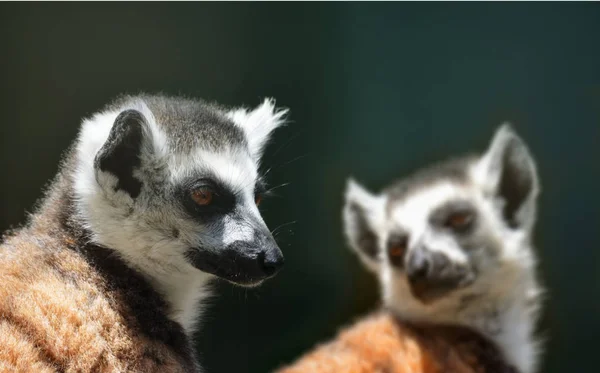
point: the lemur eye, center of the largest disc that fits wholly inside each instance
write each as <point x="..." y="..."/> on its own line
<point x="459" y="220"/>
<point x="397" y="247"/>
<point x="202" y="196"/>
<point x="258" y="198"/>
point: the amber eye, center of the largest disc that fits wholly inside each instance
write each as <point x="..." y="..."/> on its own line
<point x="459" y="220"/>
<point x="202" y="196"/>
<point x="397" y="247"/>
<point x="258" y="198"/>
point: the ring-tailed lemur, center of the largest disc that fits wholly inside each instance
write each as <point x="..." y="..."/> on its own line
<point x="451" y="246"/>
<point x="157" y="196"/>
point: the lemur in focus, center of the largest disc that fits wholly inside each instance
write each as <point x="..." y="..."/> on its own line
<point x="157" y="196"/>
<point x="451" y="246"/>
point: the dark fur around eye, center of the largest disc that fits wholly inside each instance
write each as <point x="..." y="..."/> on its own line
<point x="223" y="200"/>
<point x="440" y="217"/>
<point x="397" y="245"/>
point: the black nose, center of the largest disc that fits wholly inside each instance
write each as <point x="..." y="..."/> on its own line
<point x="241" y="262"/>
<point x="271" y="261"/>
<point x="432" y="274"/>
<point x="418" y="266"/>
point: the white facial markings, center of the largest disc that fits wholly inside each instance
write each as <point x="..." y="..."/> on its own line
<point x="412" y="215"/>
<point x="230" y="166"/>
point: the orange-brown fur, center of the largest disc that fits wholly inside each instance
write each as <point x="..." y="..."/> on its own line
<point x="48" y="324"/>
<point x="59" y="312"/>
<point x="382" y="344"/>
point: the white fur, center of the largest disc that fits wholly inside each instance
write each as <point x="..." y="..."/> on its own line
<point x="416" y="210"/>
<point x="232" y="166"/>
<point x="373" y="207"/>
<point x="258" y="123"/>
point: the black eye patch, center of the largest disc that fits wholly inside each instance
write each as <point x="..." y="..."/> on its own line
<point x="223" y="200"/>
<point x="449" y="214"/>
<point x="396" y="247"/>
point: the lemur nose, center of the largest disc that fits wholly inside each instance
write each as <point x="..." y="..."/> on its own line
<point x="431" y="274"/>
<point x="418" y="266"/>
<point x="272" y="261"/>
<point x="426" y="265"/>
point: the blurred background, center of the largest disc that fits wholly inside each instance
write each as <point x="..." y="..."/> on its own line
<point x="375" y="91"/>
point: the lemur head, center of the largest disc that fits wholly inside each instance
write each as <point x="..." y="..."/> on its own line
<point x="451" y="234"/>
<point x="173" y="186"/>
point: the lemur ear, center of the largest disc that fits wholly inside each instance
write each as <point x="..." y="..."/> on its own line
<point x="508" y="172"/>
<point x="120" y="154"/>
<point x="362" y="213"/>
<point x="258" y="124"/>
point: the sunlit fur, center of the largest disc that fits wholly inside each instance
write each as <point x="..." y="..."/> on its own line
<point x="140" y="230"/>
<point x="380" y="343"/>
<point x="110" y="269"/>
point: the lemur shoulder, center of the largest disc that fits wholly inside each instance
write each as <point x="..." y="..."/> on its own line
<point x="451" y="247"/>
<point x="157" y="196"/>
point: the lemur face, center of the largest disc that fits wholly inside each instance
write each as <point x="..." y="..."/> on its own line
<point x="436" y="240"/>
<point x="175" y="182"/>
<point x="451" y="232"/>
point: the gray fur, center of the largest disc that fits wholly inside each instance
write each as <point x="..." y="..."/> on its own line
<point x="190" y="122"/>
<point x="455" y="170"/>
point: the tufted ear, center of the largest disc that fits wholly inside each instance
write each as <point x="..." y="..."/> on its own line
<point x="120" y="154"/>
<point x="258" y="124"/>
<point x="362" y="214"/>
<point x="508" y="172"/>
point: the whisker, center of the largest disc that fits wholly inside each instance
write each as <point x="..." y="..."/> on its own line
<point x="270" y="190"/>
<point x="275" y="167"/>
<point x="274" y="231"/>
<point x="292" y="138"/>
<point x="293" y="160"/>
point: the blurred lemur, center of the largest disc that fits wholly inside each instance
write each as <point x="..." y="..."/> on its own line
<point x="451" y="246"/>
<point x="157" y="196"/>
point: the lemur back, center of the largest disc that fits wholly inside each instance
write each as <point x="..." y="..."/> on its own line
<point x="67" y="307"/>
<point x="381" y="342"/>
<point x="158" y="196"/>
<point x="451" y="247"/>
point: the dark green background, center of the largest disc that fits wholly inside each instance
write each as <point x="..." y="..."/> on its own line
<point x="375" y="90"/>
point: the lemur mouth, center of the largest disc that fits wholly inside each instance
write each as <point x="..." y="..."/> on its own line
<point x="236" y="278"/>
<point x="428" y="294"/>
<point x="234" y="264"/>
<point x="428" y="291"/>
